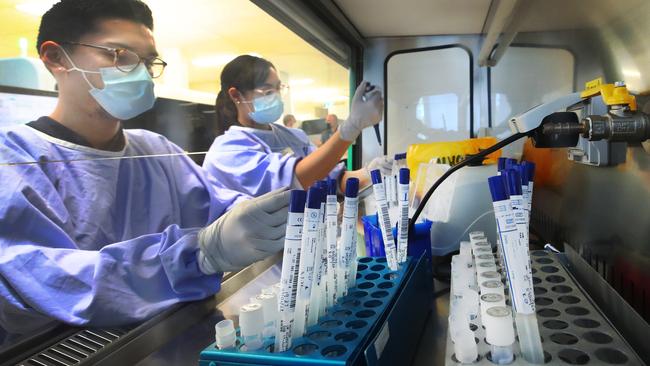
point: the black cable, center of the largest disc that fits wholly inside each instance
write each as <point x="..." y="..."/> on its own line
<point x="463" y="163"/>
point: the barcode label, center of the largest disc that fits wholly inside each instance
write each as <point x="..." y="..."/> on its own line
<point x="385" y="226"/>
<point x="402" y="229"/>
<point x="310" y="237"/>
<point x="515" y="258"/>
<point x="290" y="262"/>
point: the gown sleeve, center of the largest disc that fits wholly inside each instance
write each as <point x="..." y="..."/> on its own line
<point x="44" y="271"/>
<point x="248" y="166"/>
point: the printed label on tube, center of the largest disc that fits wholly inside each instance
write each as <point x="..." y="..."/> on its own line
<point x="385" y="225"/>
<point x="348" y="232"/>
<point x="332" y="255"/>
<point x="402" y="229"/>
<point x="523" y="298"/>
<point x="308" y="256"/>
<point x="289" y="281"/>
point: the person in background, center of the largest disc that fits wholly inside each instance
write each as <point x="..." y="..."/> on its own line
<point x="90" y="235"/>
<point x="289" y="120"/>
<point x="332" y="125"/>
<point x="254" y="156"/>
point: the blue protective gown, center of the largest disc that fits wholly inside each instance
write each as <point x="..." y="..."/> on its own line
<point x="256" y="162"/>
<point x="103" y="242"/>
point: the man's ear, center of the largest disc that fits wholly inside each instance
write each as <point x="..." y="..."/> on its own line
<point x="52" y="56"/>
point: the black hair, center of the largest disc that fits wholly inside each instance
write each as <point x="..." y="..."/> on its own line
<point x="244" y="73"/>
<point x="69" y="20"/>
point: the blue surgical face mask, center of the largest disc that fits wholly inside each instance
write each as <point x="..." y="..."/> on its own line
<point x="267" y="109"/>
<point x="125" y="95"/>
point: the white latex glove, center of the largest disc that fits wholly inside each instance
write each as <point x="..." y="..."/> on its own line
<point x="250" y="232"/>
<point x="364" y="112"/>
<point x="383" y="163"/>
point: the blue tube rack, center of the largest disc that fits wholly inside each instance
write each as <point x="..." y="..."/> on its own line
<point x="355" y="330"/>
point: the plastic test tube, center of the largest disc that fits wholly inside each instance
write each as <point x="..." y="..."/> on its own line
<point x="226" y="337"/>
<point x="517" y="267"/>
<point x="352" y="250"/>
<point x="269" y="302"/>
<point x="403" y="225"/>
<point x="288" y="286"/>
<point x="347" y="244"/>
<point x="251" y="326"/>
<point x="525" y="316"/>
<point x="331" y="230"/>
<point x="384" y="220"/>
<point x="308" y="257"/>
<point x="461" y="310"/>
<point x="317" y="297"/>
<point x="499" y="334"/>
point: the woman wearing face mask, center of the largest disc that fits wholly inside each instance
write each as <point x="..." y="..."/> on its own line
<point x="253" y="155"/>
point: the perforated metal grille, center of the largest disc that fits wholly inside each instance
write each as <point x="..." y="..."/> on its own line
<point x="75" y="349"/>
<point x="573" y="331"/>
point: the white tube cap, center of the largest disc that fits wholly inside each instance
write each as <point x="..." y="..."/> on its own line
<point x="489" y="276"/>
<point x="499" y="330"/>
<point x="269" y="304"/>
<point x="251" y="320"/>
<point x="485" y="266"/>
<point x="475" y="235"/>
<point x="465" y="248"/>
<point x="226" y="336"/>
<point x="491" y="300"/>
<point x="492" y="287"/>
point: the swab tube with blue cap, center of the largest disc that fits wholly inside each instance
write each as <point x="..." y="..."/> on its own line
<point x="331" y="231"/>
<point x="517" y="265"/>
<point x="384" y="220"/>
<point x="290" y="266"/>
<point x="403" y="224"/>
<point x="530" y="174"/>
<point x="526" y="320"/>
<point x="317" y="297"/>
<point x="308" y="257"/>
<point x="347" y="245"/>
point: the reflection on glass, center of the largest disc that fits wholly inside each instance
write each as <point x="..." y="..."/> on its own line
<point x="428" y="97"/>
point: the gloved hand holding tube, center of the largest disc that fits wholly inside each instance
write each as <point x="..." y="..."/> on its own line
<point x="250" y="232"/>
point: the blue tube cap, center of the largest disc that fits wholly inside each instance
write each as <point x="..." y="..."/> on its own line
<point x="501" y="164"/>
<point x="314" y="197"/>
<point x="352" y="187"/>
<point x="504" y="180"/>
<point x="324" y="186"/>
<point x="331" y="187"/>
<point x="523" y="173"/>
<point x="511" y="163"/>
<point x="297" y="200"/>
<point x="400" y="156"/>
<point x="530" y="170"/>
<point x="497" y="189"/>
<point x="376" y="176"/>
<point x="404" y="176"/>
<point x="514" y="182"/>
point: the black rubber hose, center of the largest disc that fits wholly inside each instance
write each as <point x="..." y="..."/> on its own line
<point x="480" y="155"/>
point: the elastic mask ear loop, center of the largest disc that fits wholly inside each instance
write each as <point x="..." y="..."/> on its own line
<point x="82" y="71"/>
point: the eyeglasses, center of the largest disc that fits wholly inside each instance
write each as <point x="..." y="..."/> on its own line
<point x="282" y="89"/>
<point x="126" y="60"/>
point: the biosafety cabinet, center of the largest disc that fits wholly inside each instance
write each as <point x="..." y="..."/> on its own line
<point x="576" y="71"/>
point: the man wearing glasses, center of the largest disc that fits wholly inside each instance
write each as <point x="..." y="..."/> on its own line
<point x="101" y="225"/>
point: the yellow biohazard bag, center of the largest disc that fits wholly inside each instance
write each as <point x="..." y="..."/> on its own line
<point x="449" y="152"/>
